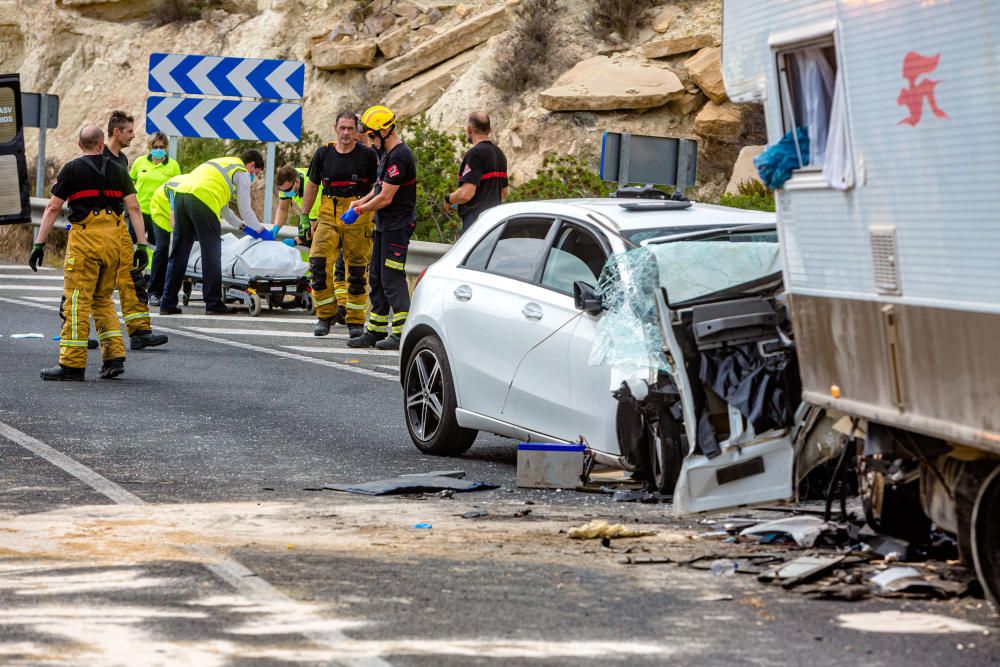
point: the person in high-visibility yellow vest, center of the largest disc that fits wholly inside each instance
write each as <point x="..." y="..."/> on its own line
<point x="200" y="202"/>
<point x="98" y="190"/>
<point x="161" y="216"/>
<point x="149" y="172"/>
<point x="346" y="171"/>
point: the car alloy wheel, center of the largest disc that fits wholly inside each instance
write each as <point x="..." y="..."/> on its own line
<point x="424" y="394"/>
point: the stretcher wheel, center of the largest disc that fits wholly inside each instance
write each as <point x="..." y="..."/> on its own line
<point x="255" y="305"/>
<point x="308" y="303"/>
<point x="275" y="301"/>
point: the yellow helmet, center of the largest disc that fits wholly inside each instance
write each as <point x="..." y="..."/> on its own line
<point x="377" y="118"/>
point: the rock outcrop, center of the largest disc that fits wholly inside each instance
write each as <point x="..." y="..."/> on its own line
<point x="602" y="84"/>
<point x="466" y="35"/>
<point x="353" y="54"/>
<point x="705" y="69"/>
<point x="744" y="170"/>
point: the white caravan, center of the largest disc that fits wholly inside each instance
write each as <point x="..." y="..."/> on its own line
<point x="890" y="236"/>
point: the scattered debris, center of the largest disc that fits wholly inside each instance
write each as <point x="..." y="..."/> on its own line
<point x="724" y="567"/>
<point x="802" y="530"/>
<point x="598" y="528"/>
<point x="521" y="513"/>
<point x="633" y="496"/>
<point x="906" y="622"/>
<point x="27" y="335"/>
<point x="475" y="514"/>
<point x="422" y="526"/>
<point x="448" y="480"/>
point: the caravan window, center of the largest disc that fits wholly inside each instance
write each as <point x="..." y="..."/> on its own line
<point x="811" y="98"/>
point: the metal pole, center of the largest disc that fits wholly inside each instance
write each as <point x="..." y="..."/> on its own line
<point x="173" y="148"/>
<point x="43" y="113"/>
<point x="269" y="182"/>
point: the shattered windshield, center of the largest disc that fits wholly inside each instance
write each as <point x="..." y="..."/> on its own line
<point x="628" y="334"/>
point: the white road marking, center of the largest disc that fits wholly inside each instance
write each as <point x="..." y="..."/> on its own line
<point x="33" y="288"/>
<point x="245" y="346"/>
<point x="27" y="276"/>
<point x="263" y="332"/>
<point x="237" y="575"/>
<point x="391" y="368"/>
<point x="4" y="267"/>
<point x="343" y="350"/>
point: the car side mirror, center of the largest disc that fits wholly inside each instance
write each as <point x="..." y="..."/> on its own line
<point x="585" y="298"/>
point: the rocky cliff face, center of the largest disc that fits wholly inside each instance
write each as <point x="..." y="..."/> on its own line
<point x="418" y="56"/>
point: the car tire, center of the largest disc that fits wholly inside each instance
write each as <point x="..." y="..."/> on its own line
<point x="665" y="455"/>
<point x="429" y="401"/>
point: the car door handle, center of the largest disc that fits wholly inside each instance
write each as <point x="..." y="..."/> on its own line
<point x="463" y="292"/>
<point x="532" y="311"/>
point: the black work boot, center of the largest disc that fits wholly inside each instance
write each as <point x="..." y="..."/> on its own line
<point x="322" y="327"/>
<point x="112" y="368"/>
<point x="390" y="342"/>
<point x="60" y="372"/>
<point x="367" y="339"/>
<point x="355" y="330"/>
<point x="141" y="339"/>
<point x="92" y="344"/>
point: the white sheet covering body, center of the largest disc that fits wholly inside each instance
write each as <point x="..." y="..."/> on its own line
<point x="248" y="257"/>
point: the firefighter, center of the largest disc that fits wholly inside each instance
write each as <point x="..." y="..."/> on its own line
<point x="200" y="201"/>
<point x="482" y="177"/>
<point x="345" y="170"/>
<point x="131" y="282"/>
<point x="149" y="172"/>
<point x="97" y="190"/>
<point x="394" y="200"/>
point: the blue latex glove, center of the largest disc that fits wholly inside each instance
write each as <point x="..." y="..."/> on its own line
<point x="251" y="232"/>
<point x="289" y="242"/>
<point x="270" y="234"/>
<point x="349" y="216"/>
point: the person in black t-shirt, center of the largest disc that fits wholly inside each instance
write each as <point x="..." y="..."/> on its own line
<point x="97" y="190"/>
<point x="131" y="281"/>
<point x="482" y="178"/>
<point x="345" y="171"/>
<point x="394" y="200"/>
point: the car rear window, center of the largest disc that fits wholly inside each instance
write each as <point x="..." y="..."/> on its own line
<point x="519" y="248"/>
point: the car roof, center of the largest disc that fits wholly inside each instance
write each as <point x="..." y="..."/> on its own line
<point x="696" y="215"/>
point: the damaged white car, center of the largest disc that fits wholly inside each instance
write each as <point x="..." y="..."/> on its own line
<point x="508" y="333"/>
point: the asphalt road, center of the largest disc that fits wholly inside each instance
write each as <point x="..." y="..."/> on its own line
<point x="173" y="516"/>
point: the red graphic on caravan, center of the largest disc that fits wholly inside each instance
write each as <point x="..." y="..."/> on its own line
<point x="916" y="65"/>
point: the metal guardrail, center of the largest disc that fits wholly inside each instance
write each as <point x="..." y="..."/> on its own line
<point x="421" y="254"/>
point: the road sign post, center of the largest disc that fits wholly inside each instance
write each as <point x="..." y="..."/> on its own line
<point x="41" y="110"/>
<point x="261" y="111"/>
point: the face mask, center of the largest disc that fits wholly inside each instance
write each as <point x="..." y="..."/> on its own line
<point x="287" y="194"/>
<point x="158" y="153"/>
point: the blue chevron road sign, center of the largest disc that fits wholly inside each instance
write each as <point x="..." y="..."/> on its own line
<point x="226" y="77"/>
<point x="223" y="119"/>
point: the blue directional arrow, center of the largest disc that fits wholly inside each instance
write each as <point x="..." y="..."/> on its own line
<point x="294" y="122"/>
<point x="255" y="121"/>
<point x="177" y="117"/>
<point x="258" y="79"/>
<point x="219" y="73"/>
<point x="216" y="118"/>
<point x="180" y="73"/>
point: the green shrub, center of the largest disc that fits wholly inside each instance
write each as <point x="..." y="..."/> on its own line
<point x="618" y="16"/>
<point x="525" y="53"/>
<point x="438" y="156"/>
<point x="751" y="194"/>
<point x="562" y="177"/>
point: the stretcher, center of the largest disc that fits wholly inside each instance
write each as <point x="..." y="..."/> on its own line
<point x="255" y="273"/>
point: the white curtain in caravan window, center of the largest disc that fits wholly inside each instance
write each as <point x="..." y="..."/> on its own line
<point x="838" y="169"/>
<point x="814" y="87"/>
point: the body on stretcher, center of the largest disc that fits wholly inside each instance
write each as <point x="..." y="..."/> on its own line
<point x="255" y="272"/>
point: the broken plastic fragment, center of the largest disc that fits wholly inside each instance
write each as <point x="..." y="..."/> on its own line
<point x="598" y="528"/>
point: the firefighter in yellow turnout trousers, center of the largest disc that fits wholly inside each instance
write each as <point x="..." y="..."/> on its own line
<point x="346" y="171"/>
<point x="131" y="281"/>
<point x="97" y="190"/>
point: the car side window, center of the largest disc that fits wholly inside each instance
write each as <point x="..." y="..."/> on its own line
<point x="575" y="255"/>
<point x="519" y="248"/>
